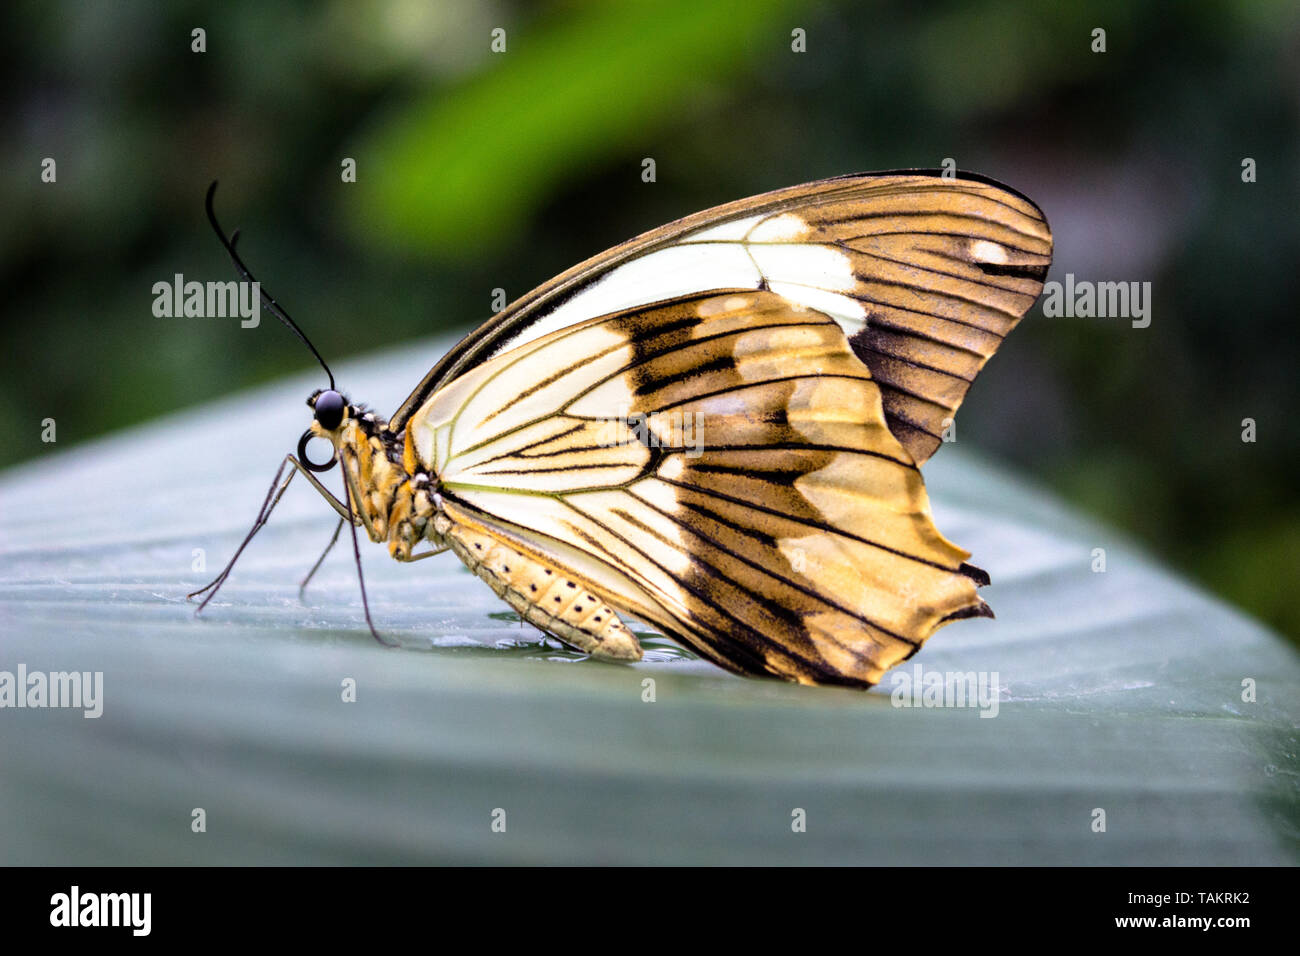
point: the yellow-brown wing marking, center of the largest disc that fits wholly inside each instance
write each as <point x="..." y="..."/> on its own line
<point x="944" y="270"/>
<point x="762" y="512"/>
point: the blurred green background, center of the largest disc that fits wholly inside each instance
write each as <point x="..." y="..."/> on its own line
<point x="479" y="170"/>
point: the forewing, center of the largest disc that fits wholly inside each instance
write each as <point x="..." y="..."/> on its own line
<point x="757" y="507"/>
<point x="924" y="273"/>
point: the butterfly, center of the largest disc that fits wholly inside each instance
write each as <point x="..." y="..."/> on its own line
<point x="716" y="428"/>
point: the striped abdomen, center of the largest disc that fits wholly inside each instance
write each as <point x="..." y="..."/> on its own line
<point x="543" y="596"/>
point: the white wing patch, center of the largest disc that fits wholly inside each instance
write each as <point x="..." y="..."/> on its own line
<point x="984" y="250"/>
<point x="664" y="274"/>
<point x="786" y="227"/>
<point x="736" y="230"/>
<point x="744" y="253"/>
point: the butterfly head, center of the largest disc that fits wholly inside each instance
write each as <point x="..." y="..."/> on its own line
<point x="332" y="413"/>
<point x="330" y="407"/>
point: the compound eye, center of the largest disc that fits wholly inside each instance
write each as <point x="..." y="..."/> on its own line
<point x="329" y="409"/>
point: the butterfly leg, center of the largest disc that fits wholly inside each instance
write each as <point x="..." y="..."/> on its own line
<point x="428" y="554"/>
<point x="339" y="507"/>
<point x="302" y="587"/>
<point x="264" y="513"/>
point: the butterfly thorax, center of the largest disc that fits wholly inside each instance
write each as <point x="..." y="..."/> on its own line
<point x="394" y="497"/>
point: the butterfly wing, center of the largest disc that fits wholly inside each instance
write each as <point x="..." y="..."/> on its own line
<point x="924" y="273"/>
<point x="759" y="509"/>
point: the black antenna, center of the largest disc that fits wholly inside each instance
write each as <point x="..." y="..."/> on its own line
<point x="270" y="304"/>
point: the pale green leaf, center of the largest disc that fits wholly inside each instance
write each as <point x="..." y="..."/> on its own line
<point x="1120" y="690"/>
